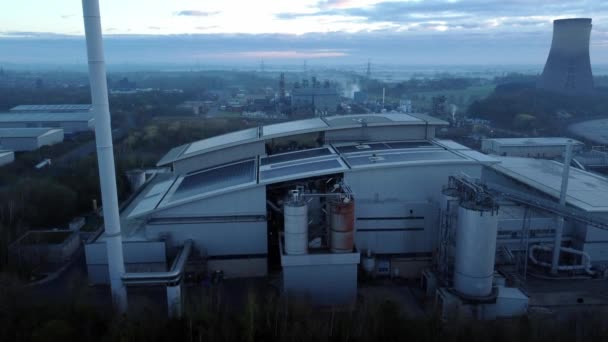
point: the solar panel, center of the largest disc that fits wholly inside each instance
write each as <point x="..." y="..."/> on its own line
<point x="408" y="144"/>
<point x="362" y="148"/>
<point x="285" y="157"/>
<point x="401" y="157"/>
<point x="215" y="179"/>
<point x="159" y="188"/>
<point x="146" y="205"/>
<point x="302" y="168"/>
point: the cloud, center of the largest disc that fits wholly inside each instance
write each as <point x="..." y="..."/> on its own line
<point x="68" y="16"/>
<point x="204" y="28"/>
<point x="154" y="27"/>
<point x="455" y="15"/>
<point x="328" y="4"/>
<point x="193" y="13"/>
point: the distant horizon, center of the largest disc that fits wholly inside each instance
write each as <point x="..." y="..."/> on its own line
<point x="329" y="32"/>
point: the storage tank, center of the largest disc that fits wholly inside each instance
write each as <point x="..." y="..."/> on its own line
<point x="475" y="249"/>
<point x="136" y="178"/>
<point x="342" y="223"/>
<point x="296" y="225"/>
<point x="369" y="262"/>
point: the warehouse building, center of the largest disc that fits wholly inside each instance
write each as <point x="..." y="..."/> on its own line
<point x="6" y="157"/>
<point x="529" y="147"/>
<point x="70" y="122"/>
<point x="316" y="200"/>
<point x="29" y="139"/>
<point x="56" y="108"/>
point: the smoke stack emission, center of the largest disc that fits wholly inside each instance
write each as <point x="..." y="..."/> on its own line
<point x="105" y="151"/>
<point x="568" y="67"/>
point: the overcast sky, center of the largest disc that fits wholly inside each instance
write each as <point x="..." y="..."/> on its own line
<point x="332" y="31"/>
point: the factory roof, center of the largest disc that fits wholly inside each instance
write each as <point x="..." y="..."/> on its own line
<point x="268" y="169"/>
<point x="63" y="108"/>
<point x="294" y="128"/>
<point x="27" y="132"/>
<point x="586" y="191"/>
<point x="548" y="141"/>
<point x="42" y="117"/>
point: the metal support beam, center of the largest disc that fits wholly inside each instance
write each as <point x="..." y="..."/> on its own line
<point x="559" y="229"/>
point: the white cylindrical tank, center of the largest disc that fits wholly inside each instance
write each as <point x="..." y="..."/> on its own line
<point x="136" y="178"/>
<point x="296" y="227"/>
<point x="475" y="250"/>
<point x="368" y="261"/>
<point x="342" y="223"/>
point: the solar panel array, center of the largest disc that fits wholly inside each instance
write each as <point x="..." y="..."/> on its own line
<point x="384" y="158"/>
<point x="215" y="179"/>
<point x="285" y="157"/>
<point x="381" y="146"/>
<point x="151" y="198"/>
<point x="302" y="168"/>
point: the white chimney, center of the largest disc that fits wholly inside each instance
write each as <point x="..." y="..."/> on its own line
<point x="105" y="153"/>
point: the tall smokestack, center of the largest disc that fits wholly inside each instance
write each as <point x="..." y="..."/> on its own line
<point x="568" y="68"/>
<point x="105" y="152"/>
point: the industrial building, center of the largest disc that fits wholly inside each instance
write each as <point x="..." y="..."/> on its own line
<point x="56" y="108"/>
<point x="29" y="139"/>
<point x="551" y="147"/>
<point x="70" y="122"/>
<point x="568" y="68"/>
<point x="376" y="192"/>
<point x="6" y="157"/>
<point x="314" y="97"/>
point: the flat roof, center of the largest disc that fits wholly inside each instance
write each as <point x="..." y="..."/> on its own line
<point x="52" y="108"/>
<point x="545" y="141"/>
<point x="290" y="128"/>
<point x="42" y="117"/>
<point x="586" y="190"/>
<point x="27" y="132"/>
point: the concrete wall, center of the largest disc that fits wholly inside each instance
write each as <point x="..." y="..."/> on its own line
<point x="149" y="256"/>
<point x="239" y="267"/>
<point x="237" y="237"/>
<point x="404" y="202"/>
<point x="396" y="227"/>
<point x="324" y="278"/>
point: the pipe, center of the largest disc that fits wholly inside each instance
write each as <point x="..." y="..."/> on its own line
<point x="559" y="229"/>
<point x="168" y="278"/>
<point x="105" y="150"/>
<point x="585" y="262"/>
<point x="274" y="206"/>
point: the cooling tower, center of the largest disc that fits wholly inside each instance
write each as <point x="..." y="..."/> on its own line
<point x="568" y="68"/>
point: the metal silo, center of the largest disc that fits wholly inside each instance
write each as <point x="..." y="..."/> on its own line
<point x="475" y="249"/>
<point x="296" y="224"/>
<point x="342" y="223"/>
